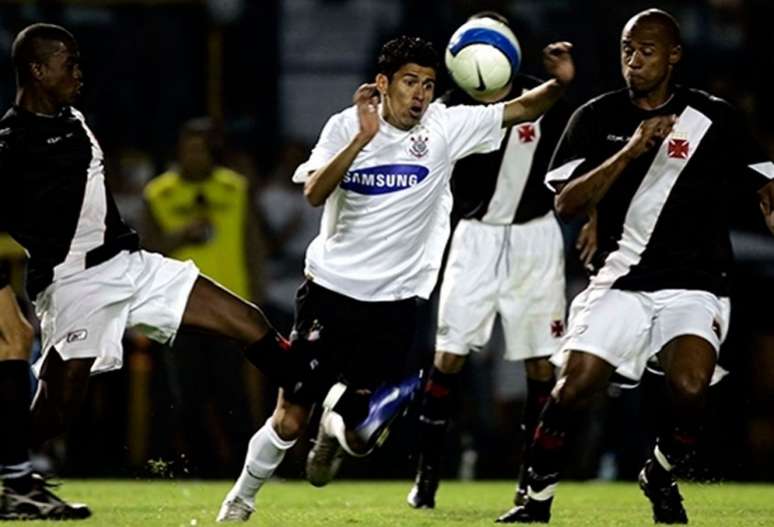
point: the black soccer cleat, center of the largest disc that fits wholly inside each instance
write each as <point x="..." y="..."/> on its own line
<point x="30" y="498"/>
<point x="666" y="500"/>
<point x="532" y="511"/>
<point x="422" y="494"/>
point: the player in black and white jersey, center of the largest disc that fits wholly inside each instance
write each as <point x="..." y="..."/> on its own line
<point x="507" y="257"/>
<point x="87" y="275"/>
<point x="381" y="168"/>
<point x="656" y="160"/>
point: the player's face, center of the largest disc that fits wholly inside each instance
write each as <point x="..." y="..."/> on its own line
<point x="407" y="94"/>
<point x="647" y="57"/>
<point x="60" y="74"/>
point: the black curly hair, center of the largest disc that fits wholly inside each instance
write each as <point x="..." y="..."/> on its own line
<point x="404" y="50"/>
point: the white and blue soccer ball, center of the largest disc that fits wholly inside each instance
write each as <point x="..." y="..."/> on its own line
<point x="482" y="57"/>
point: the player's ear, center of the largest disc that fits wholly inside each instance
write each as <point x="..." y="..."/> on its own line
<point x="382" y="82"/>
<point x="675" y="54"/>
<point x="36" y="70"/>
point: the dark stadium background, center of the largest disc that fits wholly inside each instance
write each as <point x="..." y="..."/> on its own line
<point x="269" y="72"/>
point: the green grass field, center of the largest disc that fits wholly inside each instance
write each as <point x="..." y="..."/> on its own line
<point x="376" y="504"/>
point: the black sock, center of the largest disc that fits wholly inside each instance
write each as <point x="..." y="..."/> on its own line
<point x="546" y="451"/>
<point x="14" y="415"/>
<point x="269" y="354"/>
<point x="538" y="394"/>
<point x="435" y="411"/>
<point x="672" y="449"/>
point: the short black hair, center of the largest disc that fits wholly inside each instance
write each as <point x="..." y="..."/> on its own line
<point x="660" y="18"/>
<point x="33" y="45"/>
<point x="494" y="15"/>
<point x="404" y="50"/>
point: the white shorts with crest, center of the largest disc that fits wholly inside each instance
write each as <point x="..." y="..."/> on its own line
<point x="84" y="315"/>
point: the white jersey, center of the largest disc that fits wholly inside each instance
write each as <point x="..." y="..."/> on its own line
<point x="384" y="227"/>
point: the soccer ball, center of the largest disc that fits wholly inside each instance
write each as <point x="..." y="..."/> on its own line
<point x="482" y="56"/>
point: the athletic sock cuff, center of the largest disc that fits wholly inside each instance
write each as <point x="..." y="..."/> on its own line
<point x="275" y="439"/>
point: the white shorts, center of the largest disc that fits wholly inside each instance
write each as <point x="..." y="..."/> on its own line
<point x="514" y="270"/>
<point x="84" y="315"/>
<point x="627" y="328"/>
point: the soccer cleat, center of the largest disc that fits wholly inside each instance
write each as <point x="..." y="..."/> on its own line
<point x="532" y="511"/>
<point x="520" y="496"/>
<point x="666" y="500"/>
<point x="384" y="406"/>
<point x="325" y="457"/>
<point x="32" y="499"/>
<point x="422" y="494"/>
<point x="234" y="510"/>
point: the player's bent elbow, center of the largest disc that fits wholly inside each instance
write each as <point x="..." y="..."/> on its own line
<point x="565" y="210"/>
<point x="312" y="196"/>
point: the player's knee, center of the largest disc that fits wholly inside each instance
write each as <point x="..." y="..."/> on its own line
<point x="448" y="363"/>
<point x="691" y="385"/>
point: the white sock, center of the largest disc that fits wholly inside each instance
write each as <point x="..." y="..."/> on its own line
<point x="264" y="454"/>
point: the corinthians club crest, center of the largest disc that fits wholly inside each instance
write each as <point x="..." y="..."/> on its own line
<point x="418" y="146"/>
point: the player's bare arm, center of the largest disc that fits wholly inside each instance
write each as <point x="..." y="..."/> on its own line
<point x="582" y="194"/>
<point x="324" y="180"/>
<point x="558" y="62"/>
<point x="766" y="194"/>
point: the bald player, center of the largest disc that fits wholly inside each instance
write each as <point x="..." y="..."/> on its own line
<point x="656" y="160"/>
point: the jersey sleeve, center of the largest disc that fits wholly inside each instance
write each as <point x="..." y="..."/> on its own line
<point x="333" y="138"/>
<point x="474" y="129"/>
<point x="574" y="154"/>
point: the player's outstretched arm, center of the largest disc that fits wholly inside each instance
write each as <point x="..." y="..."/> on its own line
<point x="325" y="179"/>
<point x="534" y="103"/>
<point x="582" y="194"/>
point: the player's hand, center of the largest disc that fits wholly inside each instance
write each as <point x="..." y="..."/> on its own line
<point x="767" y="204"/>
<point x="366" y="99"/>
<point x="649" y="133"/>
<point x="587" y="241"/>
<point x="558" y="62"/>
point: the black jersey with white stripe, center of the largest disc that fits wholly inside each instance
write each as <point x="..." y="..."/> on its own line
<point x="506" y="186"/>
<point x="663" y="223"/>
<point x="54" y="200"/>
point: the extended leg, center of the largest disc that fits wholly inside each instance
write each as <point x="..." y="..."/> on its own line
<point x="434" y="414"/>
<point x="584" y="375"/>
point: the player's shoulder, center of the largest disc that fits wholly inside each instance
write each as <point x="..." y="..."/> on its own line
<point x="607" y="101"/>
<point x="707" y="103"/>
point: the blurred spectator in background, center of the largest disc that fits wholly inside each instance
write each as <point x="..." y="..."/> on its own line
<point x="201" y="210"/>
<point x="291" y="225"/>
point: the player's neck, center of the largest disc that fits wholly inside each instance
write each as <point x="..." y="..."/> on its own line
<point x="33" y="102"/>
<point x="653" y="99"/>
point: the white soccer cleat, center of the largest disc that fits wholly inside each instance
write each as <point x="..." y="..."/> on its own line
<point x="234" y="510"/>
<point x="325" y="457"/>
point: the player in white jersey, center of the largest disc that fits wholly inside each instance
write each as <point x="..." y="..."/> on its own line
<point x="381" y="168"/>
<point x="506" y="257"/>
